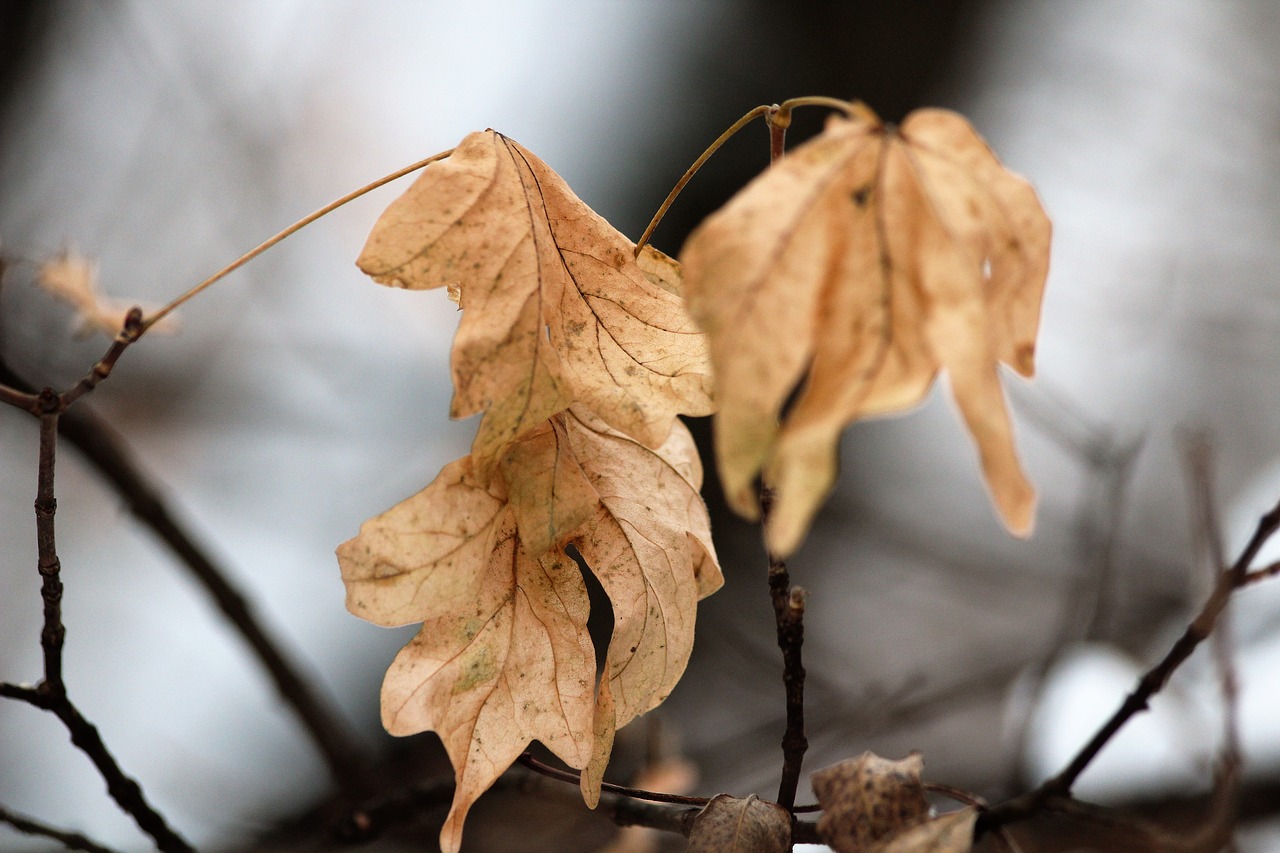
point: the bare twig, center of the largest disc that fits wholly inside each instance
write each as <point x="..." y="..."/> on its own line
<point x="69" y="840"/>
<point x="51" y="694"/>
<point x="788" y="611"/>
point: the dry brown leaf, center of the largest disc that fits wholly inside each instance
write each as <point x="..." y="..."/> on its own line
<point x="504" y="656"/>
<point x="555" y="307"/>
<point x="862" y="263"/>
<point x="731" y="825"/>
<point x="869" y="798"/>
<point x="73" y="278"/>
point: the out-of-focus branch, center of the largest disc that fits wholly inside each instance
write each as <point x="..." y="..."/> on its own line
<point x="1059" y="787"/>
<point x="69" y="840"/>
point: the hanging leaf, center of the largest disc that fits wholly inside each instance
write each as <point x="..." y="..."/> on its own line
<point x="556" y="309"/>
<point x="504" y="656"/>
<point x="731" y="825"/>
<point x="857" y="267"/>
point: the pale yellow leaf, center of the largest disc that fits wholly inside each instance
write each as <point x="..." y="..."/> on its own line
<point x="73" y="278"/>
<point x="732" y="825"/>
<point x="556" y="309"/>
<point x="869" y="798"/>
<point x="861" y="264"/>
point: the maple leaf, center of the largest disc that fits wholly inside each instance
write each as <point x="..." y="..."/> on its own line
<point x="504" y="656"/>
<point x="735" y="825"/>
<point x="556" y="308"/>
<point x="862" y="263"/>
<point x="73" y="278"/>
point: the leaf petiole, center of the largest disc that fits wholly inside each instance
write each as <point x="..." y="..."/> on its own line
<point x="292" y="229"/>
<point x="779" y="117"/>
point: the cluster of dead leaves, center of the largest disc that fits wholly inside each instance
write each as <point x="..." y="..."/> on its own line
<point x="858" y="266"/>
<point x="870" y="805"/>
<point x="579" y="355"/>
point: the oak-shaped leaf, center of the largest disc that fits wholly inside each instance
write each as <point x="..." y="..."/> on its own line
<point x="732" y="825"/>
<point x="555" y="307"/>
<point x="857" y="267"/>
<point x="504" y="656"/>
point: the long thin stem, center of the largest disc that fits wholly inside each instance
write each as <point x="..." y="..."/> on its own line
<point x="693" y="170"/>
<point x="292" y="229"/>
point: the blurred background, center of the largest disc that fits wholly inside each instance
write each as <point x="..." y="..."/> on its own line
<point x="165" y="139"/>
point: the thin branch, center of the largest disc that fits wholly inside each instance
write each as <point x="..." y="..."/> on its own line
<point x="69" y="840"/>
<point x="788" y="611"/>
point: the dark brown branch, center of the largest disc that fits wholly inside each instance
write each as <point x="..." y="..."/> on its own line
<point x="1059" y="787"/>
<point x="788" y="611"/>
<point x="51" y="694"/>
<point x="69" y="840"/>
<point x="106" y="451"/>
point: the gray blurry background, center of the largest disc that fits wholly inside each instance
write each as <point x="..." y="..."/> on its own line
<point x="164" y="139"/>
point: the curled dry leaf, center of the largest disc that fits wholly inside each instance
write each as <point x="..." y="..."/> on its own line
<point x="869" y="798"/>
<point x="950" y="833"/>
<point x="504" y="656"/>
<point x="73" y="278"/>
<point x="556" y="309"/>
<point x="731" y="825"/>
<point x="862" y="263"/>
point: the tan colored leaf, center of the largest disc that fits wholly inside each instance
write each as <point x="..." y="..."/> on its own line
<point x="73" y="278"/>
<point x="503" y="656"/>
<point x="869" y="798"/>
<point x="859" y="265"/>
<point x="555" y="307"/>
<point x="951" y="833"/>
<point x="731" y="825"/>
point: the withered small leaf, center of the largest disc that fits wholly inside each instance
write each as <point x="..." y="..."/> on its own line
<point x="950" y="833"/>
<point x="858" y="266"/>
<point x="555" y="307"/>
<point x="73" y="278"/>
<point x="732" y="825"/>
<point x="869" y="798"/>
